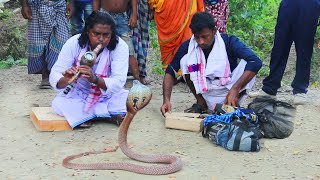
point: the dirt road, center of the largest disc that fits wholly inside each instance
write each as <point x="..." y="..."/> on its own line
<point x="29" y="154"/>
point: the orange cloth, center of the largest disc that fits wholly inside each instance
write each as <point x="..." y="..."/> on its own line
<point x="173" y="18"/>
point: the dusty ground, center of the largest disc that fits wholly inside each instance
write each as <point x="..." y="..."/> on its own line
<point x="29" y="154"/>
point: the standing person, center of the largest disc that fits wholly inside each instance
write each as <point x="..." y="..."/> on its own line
<point x="140" y="38"/>
<point x="118" y="10"/>
<point x="172" y="18"/>
<point x="220" y="11"/>
<point x="209" y="64"/>
<point x="78" y="11"/>
<point x="98" y="92"/>
<point x="47" y="32"/>
<point x="297" y="22"/>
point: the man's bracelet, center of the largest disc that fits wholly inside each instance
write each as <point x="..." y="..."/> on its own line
<point x="97" y="80"/>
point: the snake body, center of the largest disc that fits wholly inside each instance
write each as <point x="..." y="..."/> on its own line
<point x="139" y="96"/>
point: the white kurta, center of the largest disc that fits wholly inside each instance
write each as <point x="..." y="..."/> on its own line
<point x="113" y="100"/>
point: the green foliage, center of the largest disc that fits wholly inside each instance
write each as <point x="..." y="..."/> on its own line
<point x="10" y="61"/>
<point x="5" y="14"/>
<point x="153" y="35"/>
<point x="157" y="65"/>
<point x="253" y="21"/>
<point x="264" y="71"/>
<point x="154" y="57"/>
<point x="12" y="35"/>
<point x="315" y="67"/>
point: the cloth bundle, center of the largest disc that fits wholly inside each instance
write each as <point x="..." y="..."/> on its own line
<point x="235" y="131"/>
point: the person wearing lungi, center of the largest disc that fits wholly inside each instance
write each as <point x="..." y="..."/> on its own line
<point x="297" y="22"/>
<point x="47" y="32"/>
<point x="140" y="38"/>
<point x="209" y="64"/>
<point x="98" y="92"/>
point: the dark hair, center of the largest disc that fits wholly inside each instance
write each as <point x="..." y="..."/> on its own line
<point x="201" y="20"/>
<point x="99" y="18"/>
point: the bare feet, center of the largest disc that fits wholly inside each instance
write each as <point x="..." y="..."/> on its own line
<point x="45" y="84"/>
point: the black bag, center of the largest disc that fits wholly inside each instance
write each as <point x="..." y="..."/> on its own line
<point x="276" y="118"/>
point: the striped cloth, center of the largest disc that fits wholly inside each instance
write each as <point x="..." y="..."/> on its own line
<point x="47" y="32"/>
<point x="140" y="36"/>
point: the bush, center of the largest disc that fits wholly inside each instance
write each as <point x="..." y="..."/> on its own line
<point x="12" y="35"/>
<point x="10" y="61"/>
<point x="253" y="21"/>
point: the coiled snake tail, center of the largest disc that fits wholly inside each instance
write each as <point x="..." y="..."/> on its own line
<point x="138" y="97"/>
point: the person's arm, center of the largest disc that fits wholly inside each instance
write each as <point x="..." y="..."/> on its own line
<point x="85" y="72"/>
<point x="134" y="16"/>
<point x="96" y="5"/>
<point x="169" y="77"/>
<point x="25" y="10"/>
<point x="63" y="70"/>
<point x="232" y="98"/>
<point x="167" y="86"/>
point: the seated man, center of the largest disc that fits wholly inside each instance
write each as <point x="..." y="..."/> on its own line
<point x="209" y="64"/>
<point x="98" y="92"/>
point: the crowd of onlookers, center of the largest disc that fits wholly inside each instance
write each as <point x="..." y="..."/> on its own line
<point x="217" y="67"/>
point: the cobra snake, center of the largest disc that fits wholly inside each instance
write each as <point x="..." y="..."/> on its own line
<point x="139" y="96"/>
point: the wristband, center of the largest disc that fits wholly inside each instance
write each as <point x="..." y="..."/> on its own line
<point x="97" y="80"/>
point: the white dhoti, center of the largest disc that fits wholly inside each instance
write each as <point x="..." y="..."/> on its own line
<point x="217" y="93"/>
<point x="71" y="107"/>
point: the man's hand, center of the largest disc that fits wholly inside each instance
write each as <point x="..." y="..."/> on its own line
<point x="26" y="11"/>
<point x="86" y="72"/>
<point x="232" y="98"/>
<point x="166" y="107"/>
<point x="133" y="21"/>
<point x="68" y="74"/>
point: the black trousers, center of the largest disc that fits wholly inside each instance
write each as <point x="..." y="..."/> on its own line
<point x="297" y="22"/>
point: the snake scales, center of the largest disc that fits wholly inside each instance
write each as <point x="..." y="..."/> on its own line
<point x="138" y="97"/>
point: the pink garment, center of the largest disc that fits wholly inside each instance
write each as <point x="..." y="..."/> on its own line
<point x="101" y="71"/>
<point x="220" y="11"/>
